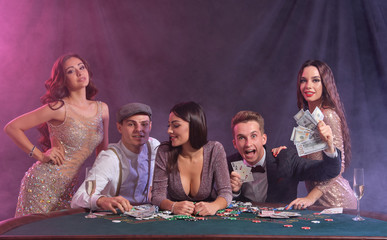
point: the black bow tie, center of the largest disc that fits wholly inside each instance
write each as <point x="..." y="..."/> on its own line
<point x="258" y="168"/>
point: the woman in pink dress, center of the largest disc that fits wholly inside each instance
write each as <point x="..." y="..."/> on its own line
<point x="316" y="88"/>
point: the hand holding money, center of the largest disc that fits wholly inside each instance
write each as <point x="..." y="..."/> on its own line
<point x="326" y="135"/>
<point x="306" y="136"/>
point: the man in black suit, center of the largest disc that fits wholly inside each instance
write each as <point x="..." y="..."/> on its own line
<point x="275" y="177"/>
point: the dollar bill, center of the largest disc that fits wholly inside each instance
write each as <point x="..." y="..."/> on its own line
<point x="306" y="136"/>
<point x="300" y="134"/>
<point x="310" y="146"/>
<point x="307" y="121"/>
<point x="299" y="115"/>
<point x="317" y="114"/>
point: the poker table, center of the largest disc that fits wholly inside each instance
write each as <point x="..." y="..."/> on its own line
<point x="72" y="224"/>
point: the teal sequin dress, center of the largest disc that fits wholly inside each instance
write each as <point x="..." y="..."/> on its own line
<point x="47" y="187"/>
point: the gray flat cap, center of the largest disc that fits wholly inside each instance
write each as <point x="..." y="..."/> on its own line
<point x="131" y="109"/>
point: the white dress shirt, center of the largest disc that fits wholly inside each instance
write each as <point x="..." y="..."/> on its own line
<point x="256" y="190"/>
<point x="137" y="175"/>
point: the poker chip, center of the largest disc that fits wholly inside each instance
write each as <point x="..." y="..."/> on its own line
<point x="315" y="221"/>
<point x="288" y="226"/>
<point x="305" y="228"/>
<point x="116" y="221"/>
<point x="329" y="220"/>
<point x="256" y="221"/>
<point x="317" y="213"/>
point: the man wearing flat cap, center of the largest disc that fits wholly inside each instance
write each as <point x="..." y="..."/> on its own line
<point x="124" y="172"/>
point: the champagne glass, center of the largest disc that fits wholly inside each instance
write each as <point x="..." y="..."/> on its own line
<point x="90" y="185"/>
<point x="358" y="188"/>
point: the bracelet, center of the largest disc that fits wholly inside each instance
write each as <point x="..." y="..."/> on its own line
<point x="173" y="205"/>
<point x="32" y="151"/>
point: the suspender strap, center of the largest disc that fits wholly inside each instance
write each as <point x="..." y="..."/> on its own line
<point x="120" y="166"/>
<point x="120" y="172"/>
<point x="148" y="184"/>
<point x="149" y="151"/>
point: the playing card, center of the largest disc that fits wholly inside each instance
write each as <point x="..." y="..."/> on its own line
<point x="243" y="171"/>
<point x="236" y="166"/>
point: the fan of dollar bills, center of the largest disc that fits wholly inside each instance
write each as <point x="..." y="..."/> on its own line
<point x="306" y="136"/>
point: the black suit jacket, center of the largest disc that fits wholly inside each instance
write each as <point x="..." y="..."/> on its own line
<point x="286" y="170"/>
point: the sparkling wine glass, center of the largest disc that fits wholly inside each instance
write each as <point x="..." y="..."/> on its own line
<point x="90" y="185"/>
<point x="358" y="188"/>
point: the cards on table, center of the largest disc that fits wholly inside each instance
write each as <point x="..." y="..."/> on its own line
<point x="142" y="211"/>
<point x="337" y="210"/>
<point x="243" y="170"/>
<point x="305" y="136"/>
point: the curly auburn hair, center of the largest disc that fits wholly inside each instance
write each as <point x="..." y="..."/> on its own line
<point x="57" y="90"/>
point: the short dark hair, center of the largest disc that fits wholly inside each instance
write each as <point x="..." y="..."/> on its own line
<point x="245" y="116"/>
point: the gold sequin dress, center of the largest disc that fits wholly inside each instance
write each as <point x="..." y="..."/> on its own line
<point x="47" y="187"/>
<point x="336" y="192"/>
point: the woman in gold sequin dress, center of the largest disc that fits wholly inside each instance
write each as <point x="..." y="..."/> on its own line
<point x="72" y="126"/>
<point x="316" y="88"/>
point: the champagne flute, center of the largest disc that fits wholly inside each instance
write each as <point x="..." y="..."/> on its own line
<point x="358" y="188"/>
<point x="90" y="185"/>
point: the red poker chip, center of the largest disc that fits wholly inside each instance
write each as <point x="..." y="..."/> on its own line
<point x="329" y="220"/>
<point x="305" y="228"/>
<point x="317" y="213"/>
<point x="256" y="221"/>
<point x="288" y="226"/>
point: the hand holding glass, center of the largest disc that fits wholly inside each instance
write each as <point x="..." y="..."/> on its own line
<point x="90" y="185"/>
<point x="358" y="188"/>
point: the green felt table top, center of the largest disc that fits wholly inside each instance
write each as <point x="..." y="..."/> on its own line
<point x="76" y="224"/>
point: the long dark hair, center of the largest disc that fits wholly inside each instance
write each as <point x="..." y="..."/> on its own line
<point x="57" y="90"/>
<point x="330" y="99"/>
<point x="192" y="113"/>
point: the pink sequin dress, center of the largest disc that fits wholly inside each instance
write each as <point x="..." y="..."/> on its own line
<point x="47" y="187"/>
<point x="336" y="192"/>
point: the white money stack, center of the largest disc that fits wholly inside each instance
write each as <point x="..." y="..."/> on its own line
<point x="305" y="136"/>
